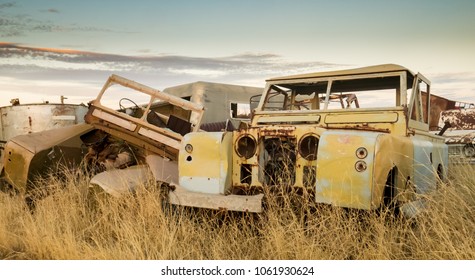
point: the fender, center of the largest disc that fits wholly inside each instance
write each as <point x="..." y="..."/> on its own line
<point x="352" y="167"/>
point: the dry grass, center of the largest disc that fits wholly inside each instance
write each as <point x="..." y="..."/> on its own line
<point x="72" y="223"/>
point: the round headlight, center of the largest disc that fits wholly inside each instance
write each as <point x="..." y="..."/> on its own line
<point x="308" y="147"/>
<point x="246" y="146"/>
<point x="361" y="152"/>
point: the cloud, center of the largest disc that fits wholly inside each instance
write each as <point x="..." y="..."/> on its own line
<point x="7" y="5"/>
<point x="199" y="72"/>
<point x="54" y="72"/>
<point x="52" y="10"/>
<point x="32" y="69"/>
<point x="199" y="67"/>
<point x="454" y="85"/>
<point x="14" y="25"/>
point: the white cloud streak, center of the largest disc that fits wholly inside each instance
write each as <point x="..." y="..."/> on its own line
<point x="54" y="72"/>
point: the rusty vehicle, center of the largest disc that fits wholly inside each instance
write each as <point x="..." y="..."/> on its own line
<point x="310" y="132"/>
<point x="19" y="119"/>
<point x="455" y="121"/>
<point x="460" y="133"/>
<point x="24" y="118"/>
<point x="120" y="133"/>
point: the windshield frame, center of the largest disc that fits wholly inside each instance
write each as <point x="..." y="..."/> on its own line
<point x="327" y="87"/>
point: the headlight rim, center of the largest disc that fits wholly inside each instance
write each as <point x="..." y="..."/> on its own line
<point x="313" y="156"/>
<point x="246" y="155"/>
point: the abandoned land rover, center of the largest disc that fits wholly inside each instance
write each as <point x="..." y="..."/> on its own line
<point x="355" y="138"/>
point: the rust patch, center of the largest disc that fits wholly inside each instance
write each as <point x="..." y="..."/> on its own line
<point x="462" y="119"/>
<point x="61" y="110"/>
<point x="359" y="127"/>
<point x="437" y="104"/>
<point x="277" y="131"/>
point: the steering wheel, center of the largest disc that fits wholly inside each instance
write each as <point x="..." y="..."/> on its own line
<point x="122" y="107"/>
<point x="137" y="111"/>
<point x="300" y="105"/>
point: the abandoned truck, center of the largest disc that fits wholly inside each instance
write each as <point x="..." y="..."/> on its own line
<point x="121" y="133"/>
<point x="312" y="132"/>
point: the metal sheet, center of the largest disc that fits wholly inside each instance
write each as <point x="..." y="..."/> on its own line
<point x="379" y="117"/>
<point x="41" y="153"/>
<point x="338" y="182"/>
<point x="243" y="203"/>
<point x="119" y="181"/>
<point x="30" y="118"/>
<point x="163" y="169"/>
<point x="207" y="167"/>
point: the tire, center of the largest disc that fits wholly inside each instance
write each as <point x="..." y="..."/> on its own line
<point x="469" y="150"/>
<point x="389" y="201"/>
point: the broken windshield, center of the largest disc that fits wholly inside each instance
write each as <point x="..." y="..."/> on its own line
<point x="366" y="92"/>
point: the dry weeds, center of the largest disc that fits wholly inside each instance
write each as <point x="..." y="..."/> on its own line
<point x="74" y="223"/>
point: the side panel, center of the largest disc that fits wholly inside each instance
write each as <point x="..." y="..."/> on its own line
<point x="338" y="180"/>
<point x="393" y="152"/>
<point x="40" y="153"/>
<point x="340" y="183"/>
<point x="424" y="179"/>
<point x="205" y="162"/>
<point x="430" y="159"/>
<point x="16" y="163"/>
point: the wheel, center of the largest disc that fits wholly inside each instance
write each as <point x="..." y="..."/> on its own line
<point x="390" y="202"/>
<point x="440" y="176"/>
<point x="469" y="150"/>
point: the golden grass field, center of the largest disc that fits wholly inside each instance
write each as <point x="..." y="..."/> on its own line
<point x="73" y="223"/>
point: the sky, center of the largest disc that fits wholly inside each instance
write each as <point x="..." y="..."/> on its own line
<point x="50" y="48"/>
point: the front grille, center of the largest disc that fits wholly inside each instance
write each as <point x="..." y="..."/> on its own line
<point x="279" y="161"/>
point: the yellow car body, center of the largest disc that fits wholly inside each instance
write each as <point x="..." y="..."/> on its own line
<point x="355" y="154"/>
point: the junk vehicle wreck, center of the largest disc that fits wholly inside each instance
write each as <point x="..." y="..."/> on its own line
<point x="455" y="121"/>
<point x="20" y="120"/>
<point x="457" y="125"/>
<point x="121" y="133"/>
<point x="309" y="132"/>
